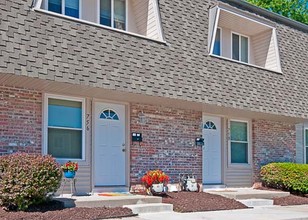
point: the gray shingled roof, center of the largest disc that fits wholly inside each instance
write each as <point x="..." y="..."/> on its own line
<point x="50" y="48"/>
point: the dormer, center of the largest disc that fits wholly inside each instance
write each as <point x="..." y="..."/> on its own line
<point x="243" y="38"/>
<point x="137" y="17"/>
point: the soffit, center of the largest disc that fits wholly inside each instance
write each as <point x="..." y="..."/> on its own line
<point x="240" y="24"/>
<point x="67" y="89"/>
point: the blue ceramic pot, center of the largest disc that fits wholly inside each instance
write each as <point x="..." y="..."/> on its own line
<point x="69" y="174"/>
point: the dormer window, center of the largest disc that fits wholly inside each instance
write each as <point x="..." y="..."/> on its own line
<point x="244" y="38"/>
<point x="113" y="13"/>
<point x="217" y="43"/>
<point x="138" y="17"/>
<point x="66" y="7"/>
<point x="239" y="48"/>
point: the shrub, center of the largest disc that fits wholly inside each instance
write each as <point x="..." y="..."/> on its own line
<point x="286" y="176"/>
<point x="27" y="179"/>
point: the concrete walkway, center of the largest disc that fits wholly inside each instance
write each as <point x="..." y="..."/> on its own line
<point x="262" y="213"/>
<point x="247" y="193"/>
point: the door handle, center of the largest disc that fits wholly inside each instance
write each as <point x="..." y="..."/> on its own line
<point x="123" y="149"/>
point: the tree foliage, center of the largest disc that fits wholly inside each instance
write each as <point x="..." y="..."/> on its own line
<point x="294" y="9"/>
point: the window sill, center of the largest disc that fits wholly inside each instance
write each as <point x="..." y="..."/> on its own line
<point x="247" y="64"/>
<point x="240" y="165"/>
<point x="97" y="25"/>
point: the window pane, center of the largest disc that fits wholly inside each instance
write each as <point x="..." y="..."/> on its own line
<point x="239" y="152"/>
<point x="63" y="113"/>
<point x="306" y="137"/>
<point x="105" y="12"/>
<point x="216" y="50"/>
<point x="235" y="47"/>
<point x="244" y="49"/>
<point x="119" y="14"/>
<point x="55" y="6"/>
<point x="238" y="131"/>
<point x="72" y="8"/>
<point x="64" y="143"/>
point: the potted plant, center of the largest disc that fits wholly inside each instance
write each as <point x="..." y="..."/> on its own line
<point x="155" y="180"/>
<point x="69" y="169"/>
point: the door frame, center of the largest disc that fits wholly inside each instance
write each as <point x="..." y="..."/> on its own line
<point x="222" y="144"/>
<point x="127" y="139"/>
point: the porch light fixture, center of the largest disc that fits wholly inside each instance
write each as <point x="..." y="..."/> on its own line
<point x="142" y="118"/>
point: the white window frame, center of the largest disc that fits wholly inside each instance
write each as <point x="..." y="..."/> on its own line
<point x="240" y="47"/>
<point x="212" y="52"/>
<point x="112" y="14"/>
<point x="45" y="124"/>
<point x="63" y="8"/>
<point x="305" y="147"/>
<point x="248" y="143"/>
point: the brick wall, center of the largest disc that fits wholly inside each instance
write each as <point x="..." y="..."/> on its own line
<point x="272" y="142"/>
<point x="168" y="141"/>
<point x="20" y="120"/>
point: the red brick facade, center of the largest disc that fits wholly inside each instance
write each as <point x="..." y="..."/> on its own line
<point x="168" y="141"/>
<point x="20" y="120"/>
<point x="272" y="141"/>
<point x="168" y="135"/>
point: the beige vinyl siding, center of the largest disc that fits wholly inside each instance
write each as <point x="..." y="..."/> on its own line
<point x="131" y="18"/>
<point x="145" y="18"/>
<point x="238" y="176"/>
<point x="264" y="50"/>
<point x="152" y="27"/>
<point x="84" y="174"/>
<point x="300" y="132"/>
<point x="140" y="11"/>
<point x="89" y="10"/>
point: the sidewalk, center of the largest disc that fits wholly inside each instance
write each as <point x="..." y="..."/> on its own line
<point x="261" y="213"/>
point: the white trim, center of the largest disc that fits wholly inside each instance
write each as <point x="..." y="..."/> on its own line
<point x="112" y="13"/>
<point x="248" y="64"/>
<point x="214" y="30"/>
<point x="126" y="15"/>
<point x="62" y="6"/>
<point x="274" y="33"/>
<point x="98" y="11"/>
<point x="65" y="128"/>
<point x="240" y="46"/>
<point x="158" y="19"/>
<point x="45" y="123"/>
<point x="248" y="164"/>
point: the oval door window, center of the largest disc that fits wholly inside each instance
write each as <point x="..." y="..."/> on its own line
<point x="109" y="114"/>
<point x="209" y="125"/>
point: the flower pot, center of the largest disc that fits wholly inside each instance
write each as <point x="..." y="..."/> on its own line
<point x="158" y="187"/>
<point x="69" y="174"/>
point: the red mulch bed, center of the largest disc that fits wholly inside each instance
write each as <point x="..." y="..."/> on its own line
<point x="55" y="211"/>
<point x="200" y="201"/>
<point x="291" y="200"/>
<point x="288" y="200"/>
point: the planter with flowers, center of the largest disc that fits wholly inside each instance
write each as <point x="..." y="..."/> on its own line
<point x="69" y="169"/>
<point x="155" y="181"/>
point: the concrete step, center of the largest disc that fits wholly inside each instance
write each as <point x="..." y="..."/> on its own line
<point x="257" y="202"/>
<point x="150" y="208"/>
<point x="212" y="186"/>
<point x="247" y="193"/>
<point x="112" y="201"/>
